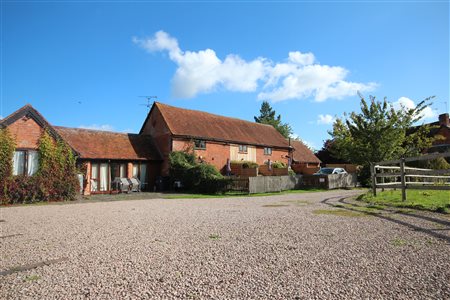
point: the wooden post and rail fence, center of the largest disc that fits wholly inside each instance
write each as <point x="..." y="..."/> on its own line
<point x="400" y="176"/>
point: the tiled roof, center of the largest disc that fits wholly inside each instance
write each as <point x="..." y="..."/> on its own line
<point x="202" y="125"/>
<point x="95" y="144"/>
<point x="303" y="153"/>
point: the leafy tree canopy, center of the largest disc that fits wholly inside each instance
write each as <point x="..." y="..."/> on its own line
<point x="380" y="132"/>
<point x="326" y="156"/>
<point x="267" y="116"/>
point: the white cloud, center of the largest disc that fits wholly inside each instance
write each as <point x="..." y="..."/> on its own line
<point x="301" y="58"/>
<point x="298" y="77"/>
<point x="202" y="71"/>
<point x="325" y="119"/>
<point x="319" y="81"/>
<point x="406" y="103"/>
<point x="104" y="127"/>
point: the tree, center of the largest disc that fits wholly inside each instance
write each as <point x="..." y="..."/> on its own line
<point x="267" y="116"/>
<point x="379" y="132"/>
<point x="326" y="154"/>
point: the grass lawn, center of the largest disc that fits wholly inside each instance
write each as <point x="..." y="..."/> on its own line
<point x="432" y="200"/>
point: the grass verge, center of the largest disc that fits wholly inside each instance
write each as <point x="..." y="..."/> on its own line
<point x="338" y="212"/>
<point x="431" y="200"/>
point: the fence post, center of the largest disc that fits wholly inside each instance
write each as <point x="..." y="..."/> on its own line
<point x="402" y="177"/>
<point x="374" y="179"/>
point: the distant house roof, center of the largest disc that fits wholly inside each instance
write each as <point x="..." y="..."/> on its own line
<point x="302" y="153"/>
<point x="95" y="144"/>
<point x="440" y="127"/>
<point x="202" y="125"/>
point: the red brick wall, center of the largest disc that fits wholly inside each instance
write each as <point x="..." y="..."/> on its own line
<point x="306" y="168"/>
<point x="215" y="154"/>
<point x="26" y="132"/>
<point x="157" y="128"/>
<point x="218" y="153"/>
<point x="277" y="155"/>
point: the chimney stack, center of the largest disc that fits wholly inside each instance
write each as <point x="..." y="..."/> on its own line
<point x="443" y="119"/>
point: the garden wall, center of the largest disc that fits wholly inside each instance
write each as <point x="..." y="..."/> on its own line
<point x="265" y="184"/>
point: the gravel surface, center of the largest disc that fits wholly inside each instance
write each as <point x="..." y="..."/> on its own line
<point x="290" y="246"/>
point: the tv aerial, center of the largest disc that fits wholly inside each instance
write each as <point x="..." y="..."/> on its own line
<point x="149" y="101"/>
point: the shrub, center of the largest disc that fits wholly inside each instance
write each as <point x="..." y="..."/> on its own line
<point x="438" y="164"/>
<point x="25" y="189"/>
<point x="246" y="164"/>
<point x="198" y="177"/>
<point x="279" y="165"/>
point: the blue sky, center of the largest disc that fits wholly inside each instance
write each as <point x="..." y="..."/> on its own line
<point x="86" y="64"/>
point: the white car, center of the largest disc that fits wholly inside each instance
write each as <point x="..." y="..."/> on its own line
<point x="328" y="171"/>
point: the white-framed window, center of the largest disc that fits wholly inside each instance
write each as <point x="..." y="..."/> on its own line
<point x="267" y="151"/>
<point x="243" y="148"/>
<point x="199" y="144"/>
<point x="25" y="162"/>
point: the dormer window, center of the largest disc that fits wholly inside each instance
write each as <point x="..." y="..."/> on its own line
<point x="243" y="148"/>
<point x="200" y="144"/>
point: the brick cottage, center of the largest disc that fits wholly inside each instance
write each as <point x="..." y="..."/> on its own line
<point x="104" y="155"/>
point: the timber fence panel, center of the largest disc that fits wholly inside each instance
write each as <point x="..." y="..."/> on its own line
<point x="404" y="177"/>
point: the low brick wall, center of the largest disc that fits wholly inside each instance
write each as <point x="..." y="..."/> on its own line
<point x="264" y="170"/>
<point x="304" y="169"/>
<point x="238" y="170"/>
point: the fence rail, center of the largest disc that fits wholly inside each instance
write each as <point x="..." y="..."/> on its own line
<point x="404" y="177"/>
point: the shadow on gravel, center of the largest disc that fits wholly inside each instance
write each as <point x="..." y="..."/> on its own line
<point x="353" y="207"/>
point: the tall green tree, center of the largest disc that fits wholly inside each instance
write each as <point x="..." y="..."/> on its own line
<point x="267" y="116"/>
<point x="380" y="132"/>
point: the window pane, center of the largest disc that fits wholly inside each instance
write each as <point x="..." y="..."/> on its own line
<point x="135" y="170"/>
<point x="19" y="163"/>
<point x="200" y="144"/>
<point x="123" y="170"/>
<point x="94" y="177"/>
<point x="143" y="177"/>
<point x="103" y="177"/>
<point x="33" y="162"/>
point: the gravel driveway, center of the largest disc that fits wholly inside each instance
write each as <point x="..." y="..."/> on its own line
<point x="293" y="246"/>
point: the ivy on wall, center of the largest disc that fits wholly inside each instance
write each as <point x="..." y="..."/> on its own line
<point x="55" y="180"/>
<point x="7" y="146"/>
